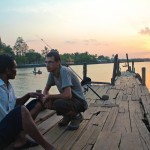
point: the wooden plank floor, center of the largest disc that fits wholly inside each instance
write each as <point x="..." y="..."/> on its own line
<point x="120" y="123"/>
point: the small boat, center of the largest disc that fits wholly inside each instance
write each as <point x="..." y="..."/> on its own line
<point x="37" y="72"/>
<point x="125" y="65"/>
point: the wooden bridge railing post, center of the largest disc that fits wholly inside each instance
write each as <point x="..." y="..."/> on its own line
<point x="133" y="66"/>
<point x="114" y="70"/>
<point x="128" y="62"/>
<point x="118" y="68"/>
<point x="84" y="71"/>
<point x="143" y="75"/>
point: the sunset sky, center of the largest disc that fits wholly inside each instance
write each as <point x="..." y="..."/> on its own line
<point x="102" y="27"/>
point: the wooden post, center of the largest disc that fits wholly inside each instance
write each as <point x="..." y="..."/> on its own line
<point x="84" y="71"/>
<point x="132" y="66"/>
<point x="114" y="69"/>
<point x="127" y="61"/>
<point x="143" y="75"/>
<point x="129" y="68"/>
<point x="118" y="68"/>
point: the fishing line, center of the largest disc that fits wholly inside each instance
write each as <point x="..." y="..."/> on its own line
<point x="104" y="97"/>
<point x="44" y="42"/>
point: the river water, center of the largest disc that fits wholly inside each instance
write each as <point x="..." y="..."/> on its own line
<point x="26" y="81"/>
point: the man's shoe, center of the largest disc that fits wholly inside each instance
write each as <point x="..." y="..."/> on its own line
<point x="75" y="122"/>
<point x="65" y="121"/>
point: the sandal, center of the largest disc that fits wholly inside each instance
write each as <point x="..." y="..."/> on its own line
<point x="29" y="143"/>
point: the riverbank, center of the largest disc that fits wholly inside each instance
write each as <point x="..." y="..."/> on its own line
<point x="43" y="65"/>
<point x="81" y="63"/>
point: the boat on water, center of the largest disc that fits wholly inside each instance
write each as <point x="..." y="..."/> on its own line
<point x="37" y="72"/>
<point x="125" y="65"/>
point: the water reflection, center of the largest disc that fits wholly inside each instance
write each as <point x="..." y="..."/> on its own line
<point x="26" y="81"/>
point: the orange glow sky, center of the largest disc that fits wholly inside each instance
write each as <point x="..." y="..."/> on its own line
<point x="102" y="27"/>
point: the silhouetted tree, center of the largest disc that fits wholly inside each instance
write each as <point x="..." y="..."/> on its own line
<point x="20" y="47"/>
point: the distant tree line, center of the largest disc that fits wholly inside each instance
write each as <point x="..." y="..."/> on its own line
<point x="24" y="55"/>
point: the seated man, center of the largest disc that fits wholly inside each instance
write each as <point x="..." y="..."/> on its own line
<point x="15" y="119"/>
<point x="71" y="101"/>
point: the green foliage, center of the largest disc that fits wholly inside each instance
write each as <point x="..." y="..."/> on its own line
<point x="25" y="56"/>
<point x="79" y="58"/>
<point x="103" y="59"/>
<point x="45" y="51"/>
<point x="21" y="59"/>
<point x="20" y="47"/>
<point x="33" y="57"/>
<point x="6" y="49"/>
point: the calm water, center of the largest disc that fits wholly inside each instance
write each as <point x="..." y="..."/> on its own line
<point x="26" y="81"/>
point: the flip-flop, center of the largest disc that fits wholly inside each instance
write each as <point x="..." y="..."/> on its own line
<point x="29" y="143"/>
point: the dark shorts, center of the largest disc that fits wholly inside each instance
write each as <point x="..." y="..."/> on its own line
<point x="62" y="106"/>
<point x="11" y="125"/>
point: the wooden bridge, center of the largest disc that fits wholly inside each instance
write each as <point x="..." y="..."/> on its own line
<point x="120" y="123"/>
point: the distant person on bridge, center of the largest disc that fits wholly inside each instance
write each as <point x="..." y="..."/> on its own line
<point x="16" y="119"/>
<point x="70" y="102"/>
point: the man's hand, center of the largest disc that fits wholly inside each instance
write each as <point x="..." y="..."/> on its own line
<point x="48" y="105"/>
<point x="45" y="99"/>
<point x="35" y="95"/>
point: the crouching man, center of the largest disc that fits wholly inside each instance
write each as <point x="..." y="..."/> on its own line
<point x="71" y="101"/>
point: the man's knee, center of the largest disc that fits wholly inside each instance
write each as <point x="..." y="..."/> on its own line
<point x="32" y="104"/>
<point x="24" y="111"/>
<point x="58" y="104"/>
<point x="60" y="107"/>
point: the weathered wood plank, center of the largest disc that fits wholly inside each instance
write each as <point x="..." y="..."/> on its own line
<point x="130" y="141"/>
<point x="111" y="119"/>
<point x="43" y="115"/>
<point x="66" y="141"/>
<point x="91" y="133"/>
<point x="108" y="141"/>
<point x="49" y="123"/>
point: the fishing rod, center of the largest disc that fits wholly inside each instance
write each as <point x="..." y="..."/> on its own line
<point x="44" y="42"/>
<point x="104" y="97"/>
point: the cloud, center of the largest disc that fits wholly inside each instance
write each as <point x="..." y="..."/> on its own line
<point x="90" y="41"/>
<point x="87" y="42"/>
<point x="71" y="42"/>
<point x="145" y="31"/>
<point x="31" y="41"/>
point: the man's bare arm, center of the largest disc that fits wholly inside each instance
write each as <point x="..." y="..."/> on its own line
<point x="66" y="94"/>
<point x="22" y="100"/>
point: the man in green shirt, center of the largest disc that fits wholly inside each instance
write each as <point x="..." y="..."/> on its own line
<point x="70" y="102"/>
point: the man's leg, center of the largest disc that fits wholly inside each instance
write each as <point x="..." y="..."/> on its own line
<point x="17" y="120"/>
<point x="70" y="109"/>
<point x="30" y="128"/>
<point x="34" y="107"/>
